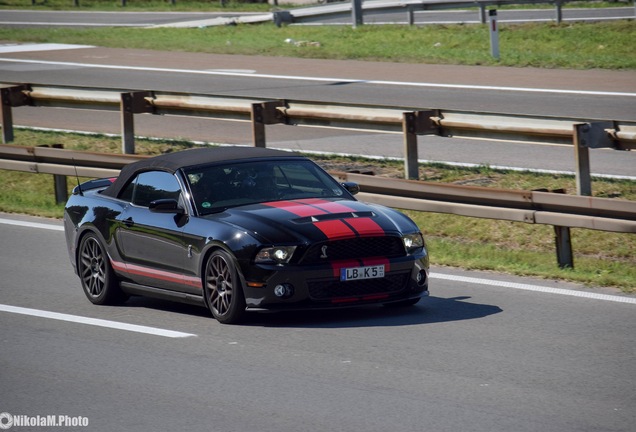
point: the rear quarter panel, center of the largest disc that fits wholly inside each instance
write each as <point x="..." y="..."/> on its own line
<point x="91" y="211"/>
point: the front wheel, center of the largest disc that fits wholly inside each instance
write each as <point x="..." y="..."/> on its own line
<point x="98" y="279"/>
<point x="223" y="293"/>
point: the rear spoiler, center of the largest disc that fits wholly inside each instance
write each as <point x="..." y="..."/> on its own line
<point x="93" y="184"/>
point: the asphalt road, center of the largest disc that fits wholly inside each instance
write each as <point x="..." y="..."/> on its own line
<point x="588" y="94"/>
<point x="485" y="352"/>
<point x="26" y="18"/>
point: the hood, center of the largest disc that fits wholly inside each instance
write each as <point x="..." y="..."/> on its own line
<point x="314" y="220"/>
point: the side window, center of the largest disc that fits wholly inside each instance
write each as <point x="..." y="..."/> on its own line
<point x="127" y="193"/>
<point x="150" y="186"/>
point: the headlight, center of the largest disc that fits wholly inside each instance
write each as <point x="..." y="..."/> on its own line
<point x="413" y="242"/>
<point x="275" y="254"/>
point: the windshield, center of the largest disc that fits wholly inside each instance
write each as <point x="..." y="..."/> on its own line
<point x="217" y="187"/>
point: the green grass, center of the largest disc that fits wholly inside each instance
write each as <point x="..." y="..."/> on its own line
<point x="607" y="45"/>
<point x="600" y="258"/>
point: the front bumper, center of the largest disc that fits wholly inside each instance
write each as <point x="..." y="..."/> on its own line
<point x="320" y="287"/>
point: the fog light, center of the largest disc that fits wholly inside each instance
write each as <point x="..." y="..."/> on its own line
<point x="421" y="278"/>
<point x="283" y="290"/>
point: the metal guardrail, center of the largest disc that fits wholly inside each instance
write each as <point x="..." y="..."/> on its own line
<point x="411" y="122"/>
<point x="357" y="11"/>
<point x="534" y="207"/>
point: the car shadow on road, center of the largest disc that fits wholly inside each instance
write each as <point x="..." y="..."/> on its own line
<point x="429" y="310"/>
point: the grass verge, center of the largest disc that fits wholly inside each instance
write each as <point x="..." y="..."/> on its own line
<point x="607" y="45"/>
<point x="601" y="258"/>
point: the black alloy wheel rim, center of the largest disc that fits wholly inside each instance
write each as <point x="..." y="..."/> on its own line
<point x="93" y="267"/>
<point x="219" y="285"/>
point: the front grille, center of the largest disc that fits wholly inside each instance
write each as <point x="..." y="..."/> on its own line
<point x="355" y="248"/>
<point x="327" y="290"/>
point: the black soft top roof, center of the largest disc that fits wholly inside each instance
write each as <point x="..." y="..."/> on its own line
<point x="171" y="162"/>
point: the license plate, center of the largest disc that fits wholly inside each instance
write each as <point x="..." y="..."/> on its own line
<point x="359" y="273"/>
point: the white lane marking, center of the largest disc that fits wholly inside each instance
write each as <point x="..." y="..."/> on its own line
<point x="478" y="281"/>
<point x="10" y="48"/>
<point x="535" y="288"/>
<point x="321" y="79"/>
<point x="31" y="224"/>
<point x="95" y="322"/>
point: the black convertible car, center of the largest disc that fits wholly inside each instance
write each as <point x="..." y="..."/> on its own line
<point x="237" y="229"/>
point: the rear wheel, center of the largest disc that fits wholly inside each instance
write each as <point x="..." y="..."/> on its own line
<point x="98" y="279"/>
<point x="223" y="293"/>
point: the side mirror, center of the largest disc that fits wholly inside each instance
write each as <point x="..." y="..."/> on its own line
<point x="351" y="187"/>
<point x="166" y="206"/>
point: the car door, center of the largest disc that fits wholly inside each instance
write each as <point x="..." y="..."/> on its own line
<point x="151" y="243"/>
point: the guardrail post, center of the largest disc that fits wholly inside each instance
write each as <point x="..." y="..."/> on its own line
<point x="60" y="182"/>
<point x="482" y="13"/>
<point x="559" y="11"/>
<point x="264" y="113"/>
<point x="563" y="241"/>
<point x="413" y="124"/>
<point x="586" y="136"/>
<point x="282" y="17"/>
<point x="582" y="159"/>
<point x="132" y="103"/>
<point x="410" y="15"/>
<point x="356" y="13"/>
<point x="61" y="188"/>
<point x="11" y="97"/>
<point x="7" y="120"/>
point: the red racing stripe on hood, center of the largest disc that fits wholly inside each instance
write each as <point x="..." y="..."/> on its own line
<point x="297" y="207"/>
<point x="328" y="206"/>
<point x="365" y="226"/>
<point x="335" y="229"/>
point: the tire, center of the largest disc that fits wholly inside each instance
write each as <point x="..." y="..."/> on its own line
<point x="99" y="282"/>
<point x="222" y="289"/>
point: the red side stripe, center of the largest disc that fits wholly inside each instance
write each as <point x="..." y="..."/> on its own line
<point x="157" y="274"/>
